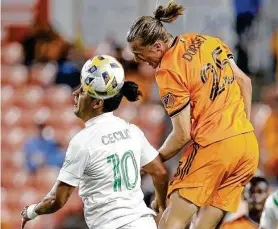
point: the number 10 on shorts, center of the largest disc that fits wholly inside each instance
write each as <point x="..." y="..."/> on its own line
<point x="121" y="169"/>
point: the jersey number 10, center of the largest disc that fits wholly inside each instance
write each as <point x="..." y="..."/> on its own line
<point x="121" y="169"/>
<point x="209" y="68"/>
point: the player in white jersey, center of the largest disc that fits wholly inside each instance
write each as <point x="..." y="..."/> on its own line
<point x="103" y="160"/>
<point x="269" y="219"/>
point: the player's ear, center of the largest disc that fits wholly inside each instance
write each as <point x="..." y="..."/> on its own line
<point x="97" y="103"/>
<point x="158" y="45"/>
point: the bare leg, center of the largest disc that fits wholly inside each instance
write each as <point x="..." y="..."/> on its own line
<point x="208" y="217"/>
<point x="178" y="213"/>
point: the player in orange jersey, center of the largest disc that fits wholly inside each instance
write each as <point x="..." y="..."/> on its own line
<point x="209" y="100"/>
<point x="256" y="193"/>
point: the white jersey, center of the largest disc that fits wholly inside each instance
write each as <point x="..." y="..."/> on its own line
<point x="269" y="219"/>
<point x="104" y="161"/>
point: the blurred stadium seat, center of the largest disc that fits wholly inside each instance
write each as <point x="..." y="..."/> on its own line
<point x="58" y="95"/>
<point x="43" y="74"/>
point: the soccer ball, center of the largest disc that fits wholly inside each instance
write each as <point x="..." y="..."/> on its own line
<point x="102" y="77"/>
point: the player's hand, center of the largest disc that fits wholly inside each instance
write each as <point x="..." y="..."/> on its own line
<point x="158" y="217"/>
<point x="24" y="217"/>
<point x="155" y="206"/>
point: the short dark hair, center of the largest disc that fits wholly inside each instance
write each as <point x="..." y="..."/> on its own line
<point x="149" y="29"/>
<point x="255" y="180"/>
<point x="129" y="90"/>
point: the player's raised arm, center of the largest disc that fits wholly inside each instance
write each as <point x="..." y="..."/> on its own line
<point x="245" y="85"/>
<point x="52" y="202"/>
<point x="180" y="135"/>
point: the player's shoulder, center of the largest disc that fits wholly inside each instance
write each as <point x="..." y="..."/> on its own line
<point x="173" y="59"/>
<point x="136" y="130"/>
<point x="272" y="200"/>
<point x="81" y="138"/>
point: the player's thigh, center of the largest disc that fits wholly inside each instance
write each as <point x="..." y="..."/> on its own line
<point x="199" y="174"/>
<point x="178" y="212"/>
<point x="208" y="217"/>
<point x="241" y="168"/>
<point x="142" y="223"/>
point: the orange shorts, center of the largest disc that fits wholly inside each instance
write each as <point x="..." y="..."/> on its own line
<point x="216" y="174"/>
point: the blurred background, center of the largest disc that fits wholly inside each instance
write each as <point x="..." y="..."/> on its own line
<point x="44" y="44"/>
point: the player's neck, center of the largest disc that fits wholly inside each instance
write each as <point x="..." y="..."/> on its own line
<point x="91" y="116"/>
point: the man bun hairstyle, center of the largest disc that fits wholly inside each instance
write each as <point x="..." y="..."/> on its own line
<point x="149" y="29"/>
<point x="130" y="90"/>
<point x="170" y="13"/>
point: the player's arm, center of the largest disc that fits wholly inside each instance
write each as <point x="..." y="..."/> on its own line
<point x="245" y="85"/>
<point x="52" y="202"/>
<point x="176" y="100"/>
<point x="157" y="170"/>
<point x="179" y="137"/>
<point x="151" y="163"/>
<point x="69" y="177"/>
<point x="55" y="199"/>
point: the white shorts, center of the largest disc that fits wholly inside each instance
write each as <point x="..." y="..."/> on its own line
<point x="144" y="222"/>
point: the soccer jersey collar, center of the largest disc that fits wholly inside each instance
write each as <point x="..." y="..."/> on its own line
<point x="98" y="118"/>
<point x="173" y="42"/>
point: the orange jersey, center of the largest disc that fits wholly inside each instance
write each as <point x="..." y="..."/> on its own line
<point x="196" y="71"/>
<point x="241" y="223"/>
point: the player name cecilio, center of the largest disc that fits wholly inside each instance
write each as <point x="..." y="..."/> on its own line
<point x="115" y="137"/>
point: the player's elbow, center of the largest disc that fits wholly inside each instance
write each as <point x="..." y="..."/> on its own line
<point x="161" y="175"/>
<point x="182" y="137"/>
<point x="247" y="81"/>
<point x="244" y="80"/>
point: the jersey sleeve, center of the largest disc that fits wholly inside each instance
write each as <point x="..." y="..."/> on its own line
<point x="173" y="93"/>
<point x="74" y="165"/>
<point x="268" y="218"/>
<point x="226" y="49"/>
<point x="148" y="152"/>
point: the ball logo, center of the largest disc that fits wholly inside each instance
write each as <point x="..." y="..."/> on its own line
<point x="168" y="100"/>
<point x="92" y="69"/>
<point x="100" y="57"/>
<point x="89" y="80"/>
<point x="114" y="65"/>
<point x="106" y="77"/>
<point x="114" y="83"/>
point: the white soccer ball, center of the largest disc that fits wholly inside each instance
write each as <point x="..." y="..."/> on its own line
<point x="102" y="77"/>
